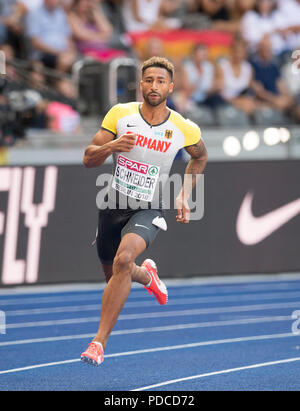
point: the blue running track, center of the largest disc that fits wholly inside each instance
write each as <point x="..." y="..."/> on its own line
<point x="235" y="333"/>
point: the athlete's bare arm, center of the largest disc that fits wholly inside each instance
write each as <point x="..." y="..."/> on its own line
<point x="194" y="169"/>
<point x="104" y="144"/>
<point x="198" y="159"/>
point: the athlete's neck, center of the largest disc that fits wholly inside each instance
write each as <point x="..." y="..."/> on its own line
<point x="154" y="114"/>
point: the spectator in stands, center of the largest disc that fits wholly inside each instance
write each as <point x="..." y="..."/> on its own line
<point x="113" y="12"/>
<point x="21" y="9"/>
<point x="67" y="93"/>
<point x="25" y="6"/>
<point x="230" y="19"/>
<point x="10" y="27"/>
<point x="155" y="47"/>
<point x="62" y="89"/>
<point x="290" y="14"/>
<point x="16" y="24"/>
<point x="67" y="5"/>
<point x="143" y="15"/>
<point x="215" y="9"/>
<point x="235" y="76"/>
<point x="50" y="35"/>
<point x="203" y="12"/>
<point x="88" y="22"/>
<point x="265" y="19"/>
<point x="37" y="78"/>
<point x="6" y="9"/>
<point x="199" y="83"/>
<point x="291" y="77"/>
<point x="174" y="11"/>
<point x="268" y="84"/>
<point x="92" y="30"/>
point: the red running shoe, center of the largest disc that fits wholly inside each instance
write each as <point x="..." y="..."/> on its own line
<point x="94" y="354"/>
<point x="156" y="287"/>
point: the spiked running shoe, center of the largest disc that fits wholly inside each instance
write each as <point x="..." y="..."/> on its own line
<point x="94" y="354"/>
<point x="156" y="286"/>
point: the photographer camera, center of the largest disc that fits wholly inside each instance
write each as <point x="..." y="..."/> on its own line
<point x="17" y="112"/>
<point x="19" y="105"/>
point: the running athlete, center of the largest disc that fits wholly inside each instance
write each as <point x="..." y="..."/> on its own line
<point x="143" y="139"/>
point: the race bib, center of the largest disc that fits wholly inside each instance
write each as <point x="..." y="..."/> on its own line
<point x="135" y="179"/>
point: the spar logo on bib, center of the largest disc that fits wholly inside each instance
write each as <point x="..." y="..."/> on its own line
<point x="133" y="165"/>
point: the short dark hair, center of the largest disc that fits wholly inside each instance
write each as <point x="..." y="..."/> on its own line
<point x="159" y="62"/>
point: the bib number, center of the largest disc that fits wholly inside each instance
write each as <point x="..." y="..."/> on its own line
<point x="135" y="179"/>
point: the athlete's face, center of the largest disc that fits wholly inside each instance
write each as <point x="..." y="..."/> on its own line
<point x="156" y="85"/>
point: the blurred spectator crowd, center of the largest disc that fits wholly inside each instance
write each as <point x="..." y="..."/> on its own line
<point x="42" y="39"/>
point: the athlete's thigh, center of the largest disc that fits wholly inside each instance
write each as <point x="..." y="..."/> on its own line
<point x="141" y="225"/>
<point x="133" y="245"/>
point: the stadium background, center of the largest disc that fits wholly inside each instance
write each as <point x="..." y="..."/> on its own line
<point x="257" y="153"/>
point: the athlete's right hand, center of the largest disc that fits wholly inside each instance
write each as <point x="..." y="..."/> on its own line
<point x="125" y="143"/>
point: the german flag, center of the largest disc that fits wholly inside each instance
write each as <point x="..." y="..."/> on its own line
<point x="180" y="43"/>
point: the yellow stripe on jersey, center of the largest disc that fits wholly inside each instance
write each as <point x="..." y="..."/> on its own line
<point x="116" y="112"/>
<point x="188" y="128"/>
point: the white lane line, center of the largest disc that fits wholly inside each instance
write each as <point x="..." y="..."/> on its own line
<point x="49" y="300"/>
<point x="159" y="314"/>
<point x="166" y="328"/>
<point x="149" y="303"/>
<point x="209" y="374"/>
<point x="206" y="281"/>
<point x="32" y="367"/>
<point x="51" y="288"/>
<point x="139" y="293"/>
<point x="159" y="349"/>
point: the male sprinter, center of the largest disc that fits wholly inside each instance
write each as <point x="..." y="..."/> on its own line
<point x="144" y="139"/>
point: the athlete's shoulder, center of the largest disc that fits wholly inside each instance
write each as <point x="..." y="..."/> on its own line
<point x="125" y="109"/>
<point x="117" y="112"/>
<point x="183" y="122"/>
<point x="189" y="129"/>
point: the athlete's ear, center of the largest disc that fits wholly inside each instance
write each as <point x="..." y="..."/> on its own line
<point x="141" y="83"/>
<point x="171" y="87"/>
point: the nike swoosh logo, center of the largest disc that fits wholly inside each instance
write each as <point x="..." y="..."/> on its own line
<point x="252" y="230"/>
<point x="139" y="225"/>
<point x="130" y="125"/>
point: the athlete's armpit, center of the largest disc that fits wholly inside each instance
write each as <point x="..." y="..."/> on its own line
<point x="197" y="151"/>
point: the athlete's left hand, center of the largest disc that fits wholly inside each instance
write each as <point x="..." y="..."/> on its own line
<point x="183" y="210"/>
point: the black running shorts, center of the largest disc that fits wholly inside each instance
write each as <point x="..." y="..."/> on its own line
<point x="114" y="224"/>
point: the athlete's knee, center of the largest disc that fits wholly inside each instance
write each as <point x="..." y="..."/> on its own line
<point x="123" y="263"/>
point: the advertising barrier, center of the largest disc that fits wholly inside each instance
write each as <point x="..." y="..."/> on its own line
<point x="251" y="224"/>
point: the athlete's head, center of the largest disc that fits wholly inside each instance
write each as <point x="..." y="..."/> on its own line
<point x="157" y="80"/>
